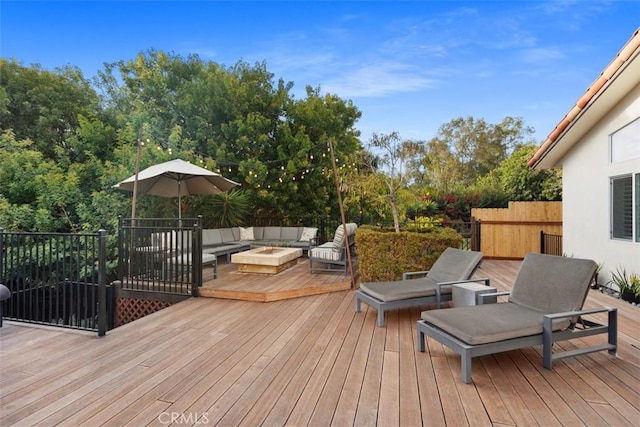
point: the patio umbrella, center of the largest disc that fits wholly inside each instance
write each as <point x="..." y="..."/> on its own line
<point x="177" y="178"/>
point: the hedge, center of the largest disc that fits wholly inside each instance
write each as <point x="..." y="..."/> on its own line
<point x="384" y="255"/>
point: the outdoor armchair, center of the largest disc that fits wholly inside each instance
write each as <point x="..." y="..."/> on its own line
<point x="332" y="256"/>
<point x="544" y="306"/>
<point x="452" y="266"/>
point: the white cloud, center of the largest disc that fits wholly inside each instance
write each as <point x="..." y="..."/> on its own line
<point x="378" y="79"/>
<point x="541" y="55"/>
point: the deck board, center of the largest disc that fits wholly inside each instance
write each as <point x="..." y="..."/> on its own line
<point x="305" y="361"/>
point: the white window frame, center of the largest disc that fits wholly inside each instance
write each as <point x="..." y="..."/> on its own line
<point x="624" y="143"/>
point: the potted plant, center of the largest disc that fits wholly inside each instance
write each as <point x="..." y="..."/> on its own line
<point x="596" y="276"/>
<point x="635" y="283"/>
<point x="628" y="285"/>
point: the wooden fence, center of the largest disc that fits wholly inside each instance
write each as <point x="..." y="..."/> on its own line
<point x="509" y="233"/>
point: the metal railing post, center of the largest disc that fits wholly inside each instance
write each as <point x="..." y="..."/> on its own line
<point x="102" y="285"/>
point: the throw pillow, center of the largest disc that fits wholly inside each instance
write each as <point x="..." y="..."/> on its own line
<point x="308" y="233"/>
<point x="246" y="233"/>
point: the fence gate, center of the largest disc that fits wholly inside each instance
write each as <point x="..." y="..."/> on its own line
<point x="509" y="233"/>
<point x="56" y="279"/>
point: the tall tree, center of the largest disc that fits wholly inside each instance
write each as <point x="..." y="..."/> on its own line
<point x="241" y="122"/>
<point x="46" y="106"/>
<point x="395" y="155"/>
<point x="467" y="148"/>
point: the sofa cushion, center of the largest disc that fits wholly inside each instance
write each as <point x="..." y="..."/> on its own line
<point x="227" y="235"/>
<point x="308" y="233"/>
<point x="236" y="233"/>
<point x="211" y="236"/>
<point x="289" y="233"/>
<point x="258" y="233"/>
<point x="271" y="233"/>
<point x="246" y="233"/>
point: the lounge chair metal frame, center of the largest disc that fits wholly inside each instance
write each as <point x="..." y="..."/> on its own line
<point x="577" y="329"/>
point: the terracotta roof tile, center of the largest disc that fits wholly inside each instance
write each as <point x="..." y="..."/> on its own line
<point x="623" y="55"/>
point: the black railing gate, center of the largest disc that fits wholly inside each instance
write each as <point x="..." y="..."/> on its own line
<point x="56" y="279"/>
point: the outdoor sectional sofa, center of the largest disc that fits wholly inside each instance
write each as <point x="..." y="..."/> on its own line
<point x="227" y="241"/>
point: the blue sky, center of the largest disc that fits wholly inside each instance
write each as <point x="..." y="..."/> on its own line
<point x="408" y="66"/>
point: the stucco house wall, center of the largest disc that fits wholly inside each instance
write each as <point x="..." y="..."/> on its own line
<point x="586" y="172"/>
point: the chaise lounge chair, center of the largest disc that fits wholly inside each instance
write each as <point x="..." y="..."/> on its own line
<point x="453" y="266"/>
<point x="544" y="306"/>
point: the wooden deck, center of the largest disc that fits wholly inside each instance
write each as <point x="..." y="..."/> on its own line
<point x="304" y="361"/>
<point x="291" y="283"/>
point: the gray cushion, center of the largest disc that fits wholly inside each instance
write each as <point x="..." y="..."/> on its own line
<point x="271" y="233"/>
<point x="552" y="284"/>
<point x="227" y="235"/>
<point x="211" y="236"/>
<point x="487" y="323"/>
<point x="454" y="264"/>
<point x="236" y="233"/>
<point x="289" y="233"/>
<point x="258" y="233"/>
<point x="402" y="289"/>
<point x="223" y="248"/>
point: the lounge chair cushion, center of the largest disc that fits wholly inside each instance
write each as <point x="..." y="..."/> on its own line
<point x="325" y="252"/>
<point x="488" y="323"/>
<point x="338" y="236"/>
<point x="402" y="289"/>
<point x="454" y="264"/>
<point x="552" y="284"/>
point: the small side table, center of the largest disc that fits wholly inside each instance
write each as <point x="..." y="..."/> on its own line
<point x="465" y="294"/>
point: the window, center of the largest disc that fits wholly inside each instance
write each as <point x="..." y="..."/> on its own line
<point x="625" y="207"/>
<point x="625" y="142"/>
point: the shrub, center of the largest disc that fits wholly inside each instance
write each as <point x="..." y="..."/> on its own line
<point x="384" y="256"/>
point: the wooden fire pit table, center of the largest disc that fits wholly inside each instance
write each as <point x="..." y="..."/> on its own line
<point x="266" y="260"/>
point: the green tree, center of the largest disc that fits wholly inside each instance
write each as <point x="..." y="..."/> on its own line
<point x="466" y="149"/>
<point x="240" y="122"/>
<point x="522" y="183"/>
<point x="45" y="107"/>
<point x="395" y="155"/>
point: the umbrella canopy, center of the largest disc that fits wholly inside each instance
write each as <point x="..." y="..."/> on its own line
<point x="177" y="178"/>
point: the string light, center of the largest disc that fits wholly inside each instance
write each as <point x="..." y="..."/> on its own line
<point x="284" y="174"/>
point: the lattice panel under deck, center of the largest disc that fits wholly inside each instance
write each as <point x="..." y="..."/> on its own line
<point x="130" y="309"/>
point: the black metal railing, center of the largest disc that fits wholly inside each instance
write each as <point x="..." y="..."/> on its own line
<point x="550" y="244"/>
<point x="161" y="255"/>
<point x="56" y="279"/>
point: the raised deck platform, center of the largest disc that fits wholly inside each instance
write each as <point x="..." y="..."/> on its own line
<point x="294" y="282"/>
